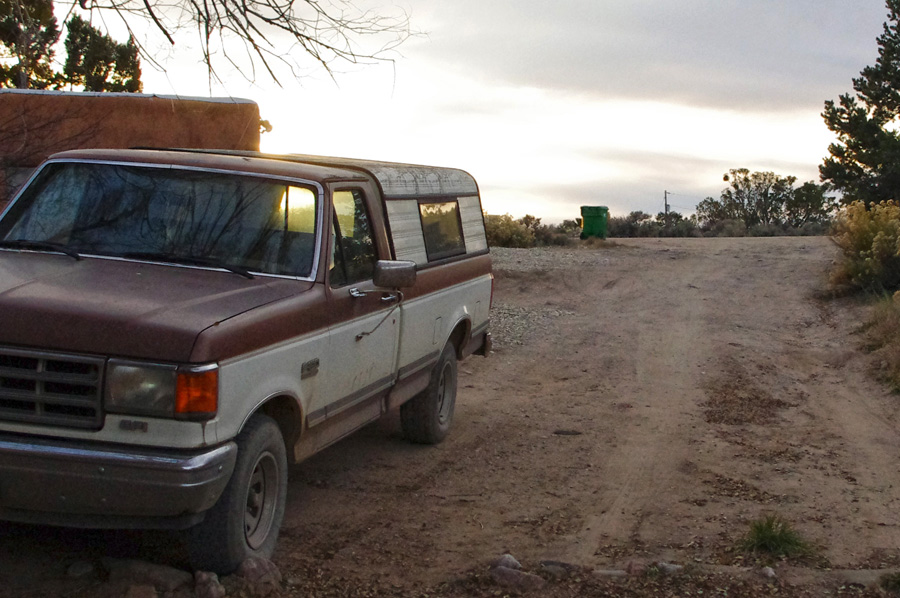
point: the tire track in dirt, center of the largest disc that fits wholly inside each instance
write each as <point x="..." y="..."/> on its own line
<point x="847" y="427"/>
<point x="637" y="475"/>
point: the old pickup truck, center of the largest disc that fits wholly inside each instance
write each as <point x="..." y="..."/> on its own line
<point x="177" y="326"/>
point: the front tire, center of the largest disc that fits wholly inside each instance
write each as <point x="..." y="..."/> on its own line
<point x="247" y="517"/>
<point x="426" y="418"/>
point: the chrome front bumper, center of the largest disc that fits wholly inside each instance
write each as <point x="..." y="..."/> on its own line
<point x="62" y="482"/>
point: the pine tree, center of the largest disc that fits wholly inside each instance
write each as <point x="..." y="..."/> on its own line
<point x="98" y="62"/>
<point x="28" y="31"/>
<point x="865" y="161"/>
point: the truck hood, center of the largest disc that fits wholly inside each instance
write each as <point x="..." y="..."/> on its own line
<point x="121" y="308"/>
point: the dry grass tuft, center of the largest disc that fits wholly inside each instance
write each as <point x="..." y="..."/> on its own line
<point x="883" y="337"/>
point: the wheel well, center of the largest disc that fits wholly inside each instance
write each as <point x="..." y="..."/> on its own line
<point x="286" y="413"/>
<point x="460" y="335"/>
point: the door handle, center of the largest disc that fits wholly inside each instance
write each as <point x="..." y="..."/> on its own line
<point x="385" y="297"/>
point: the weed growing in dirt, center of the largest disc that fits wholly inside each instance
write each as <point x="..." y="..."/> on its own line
<point x="773" y="536"/>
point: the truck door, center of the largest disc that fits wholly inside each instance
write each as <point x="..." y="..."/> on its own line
<point x="364" y="334"/>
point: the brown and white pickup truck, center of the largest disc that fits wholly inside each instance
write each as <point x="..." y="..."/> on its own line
<point x="176" y="326"/>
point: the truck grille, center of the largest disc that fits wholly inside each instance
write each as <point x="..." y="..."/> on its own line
<point x="50" y="389"/>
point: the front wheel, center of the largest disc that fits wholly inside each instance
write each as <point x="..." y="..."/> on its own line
<point x="427" y="416"/>
<point x="247" y="517"/>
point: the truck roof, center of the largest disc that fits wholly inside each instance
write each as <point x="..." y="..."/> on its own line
<point x="396" y="180"/>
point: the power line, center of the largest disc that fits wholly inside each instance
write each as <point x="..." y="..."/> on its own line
<point x="688" y="196"/>
<point x="667" y="206"/>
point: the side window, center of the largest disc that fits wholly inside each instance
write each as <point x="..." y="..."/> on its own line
<point x="353" y="257"/>
<point x="442" y="230"/>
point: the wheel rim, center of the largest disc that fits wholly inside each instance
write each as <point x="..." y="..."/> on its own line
<point x="262" y="498"/>
<point x="445" y="393"/>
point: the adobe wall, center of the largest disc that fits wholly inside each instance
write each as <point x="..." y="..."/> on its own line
<point x="35" y="124"/>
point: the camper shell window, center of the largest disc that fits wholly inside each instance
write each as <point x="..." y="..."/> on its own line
<point x="442" y="229"/>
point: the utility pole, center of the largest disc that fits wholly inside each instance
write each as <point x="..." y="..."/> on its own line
<point x="666" y="209"/>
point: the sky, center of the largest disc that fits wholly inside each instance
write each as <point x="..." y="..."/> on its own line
<point x="555" y="105"/>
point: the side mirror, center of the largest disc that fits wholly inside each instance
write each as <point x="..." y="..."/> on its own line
<point x="395" y="274"/>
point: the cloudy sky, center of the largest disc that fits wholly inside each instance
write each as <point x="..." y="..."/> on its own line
<point x="554" y="105"/>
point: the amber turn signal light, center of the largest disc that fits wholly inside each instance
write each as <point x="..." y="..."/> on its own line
<point x="197" y="393"/>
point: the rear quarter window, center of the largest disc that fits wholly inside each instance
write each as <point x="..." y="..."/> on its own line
<point x="442" y="229"/>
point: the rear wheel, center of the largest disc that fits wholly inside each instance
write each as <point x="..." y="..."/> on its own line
<point x="426" y="418"/>
<point x="247" y="517"/>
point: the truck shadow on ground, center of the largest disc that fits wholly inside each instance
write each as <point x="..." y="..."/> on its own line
<point x="32" y="554"/>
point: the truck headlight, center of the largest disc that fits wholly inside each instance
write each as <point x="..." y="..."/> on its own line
<point x="159" y="390"/>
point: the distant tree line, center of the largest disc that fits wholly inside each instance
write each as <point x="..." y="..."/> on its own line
<point x="766" y="204"/>
<point x="506" y="231"/>
<point x="753" y="204"/>
<point x="642" y="224"/>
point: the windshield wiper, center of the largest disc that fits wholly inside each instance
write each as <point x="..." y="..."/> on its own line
<point x="190" y="260"/>
<point x="39" y="246"/>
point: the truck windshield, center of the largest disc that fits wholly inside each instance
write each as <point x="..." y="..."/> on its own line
<point x="168" y="215"/>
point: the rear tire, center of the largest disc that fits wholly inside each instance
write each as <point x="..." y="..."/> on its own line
<point x="247" y="517"/>
<point x="426" y="418"/>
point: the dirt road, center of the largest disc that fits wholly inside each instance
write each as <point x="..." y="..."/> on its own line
<point x="645" y="401"/>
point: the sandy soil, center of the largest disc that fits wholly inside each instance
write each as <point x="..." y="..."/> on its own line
<point x="646" y="401"/>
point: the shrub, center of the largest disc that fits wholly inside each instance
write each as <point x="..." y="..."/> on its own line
<point x="548" y="236"/>
<point x="813" y="229"/>
<point x="773" y="536"/>
<point x="503" y="231"/>
<point x="618" y="226"/>
<point x="685" y="227"/>
<point x="765" y="230"/>
<point x="728" y="228"/>
<point x="869" y="237"/>
<point x="883" y="336"/>
<point x="636" y="224"/>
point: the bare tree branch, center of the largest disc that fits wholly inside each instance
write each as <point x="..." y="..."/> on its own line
<point x="272" y="34"/>
<point x="156" y="22"/>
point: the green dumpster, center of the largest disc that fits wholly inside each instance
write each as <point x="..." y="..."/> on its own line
<point x="593" y="221"/>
